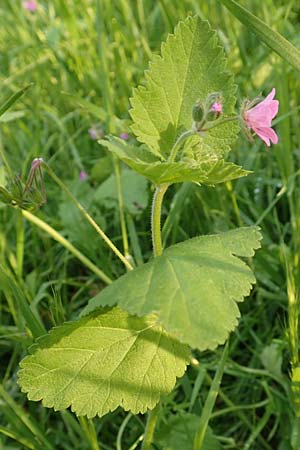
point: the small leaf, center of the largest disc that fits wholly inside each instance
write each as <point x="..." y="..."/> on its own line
<point x="179" y="432"/>
<point x="102" y="169"/>
<point x="210" y="172"/>
<point x="192" y="65"/>
<point x="271" y="357"/>
<point x="193" y="287"/>
<point x="102" y="361"/>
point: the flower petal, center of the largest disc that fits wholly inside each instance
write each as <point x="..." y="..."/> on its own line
<point x="266" y="134"/>
<point x="259" y="118"/>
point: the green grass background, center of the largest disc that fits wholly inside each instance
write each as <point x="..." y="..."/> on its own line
<point x="83" y="58"/>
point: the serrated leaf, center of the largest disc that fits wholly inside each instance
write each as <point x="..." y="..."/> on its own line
<point x="179" y="432"/>
<point x="193" y="287"/>
<point x="210" y="172"/>
<point x="102" y="361"/>
<point x="192" y="65"/>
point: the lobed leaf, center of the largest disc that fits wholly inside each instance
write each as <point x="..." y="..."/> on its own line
<point x="210" y="172"/>
<point x="193" y="287"/>
<point x="191" y="66"/>
<point x="104" y="360"/>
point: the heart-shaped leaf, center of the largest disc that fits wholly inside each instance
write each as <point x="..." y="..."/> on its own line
<point x="102" y="361"/>
<point x="193" y="287"/>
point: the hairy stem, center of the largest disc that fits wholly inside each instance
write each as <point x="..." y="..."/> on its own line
<point x="178" y="144"/>
<point x="216" y="123"/>
<point x="121" y="206"/>
<point x="156" y="218"/>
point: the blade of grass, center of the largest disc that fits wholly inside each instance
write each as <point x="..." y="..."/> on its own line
<point x="210" y="401"/>
<point x="26" y="419"/>
<point x="271" y="38"/>
<point x="35" y="326"/>
<point x="13" y="98"/>
<point x="59" y="238"/>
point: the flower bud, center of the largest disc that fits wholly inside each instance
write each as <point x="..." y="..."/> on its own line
<point x="214" y="106"/>
<point x="198" y="112"/>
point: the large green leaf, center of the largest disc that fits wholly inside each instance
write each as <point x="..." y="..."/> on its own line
<point x="209" y="172"/>
<point x="192" y="65"/>
<point x="102" y="361"/>
<point x="193" y="287"/>
<point x="179" y="433"/>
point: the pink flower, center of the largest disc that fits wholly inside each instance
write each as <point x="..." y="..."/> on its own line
<point x="216" y="107"/>
<point x="259" y="118"/>
<point x="95" y="132"/>
<point x="30" y="5"/>
<point x="83" y="175"/>
<point x="124" y="136"/>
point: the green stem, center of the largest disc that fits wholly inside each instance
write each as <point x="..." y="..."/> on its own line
<point x="150" y="428"/>
<point x="219" y="122"/>
<point x="89" y="429"/>
<point x="159" y="195"/>
<point x="234" y="202"/>
<point x="157" y="251"/>
<point x="121" y="431"/>
<point x="59" y="238"/>
<point x="5" y="160"/>
<point x="88" y="217"/>
<point x="156" y="218"/>
<point x="107" y="91"/>
<point x="20" y="244"/>
<point x="178" y="144"/>
<point x="210" y="401"/>
<point x="295" y="436"/>
<point x="121" y="206"/>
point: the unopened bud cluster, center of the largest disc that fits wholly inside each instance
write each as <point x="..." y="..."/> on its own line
<point x="208" y="111"/>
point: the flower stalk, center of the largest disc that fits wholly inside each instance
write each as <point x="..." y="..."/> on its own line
<point x="88" y="217"/>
